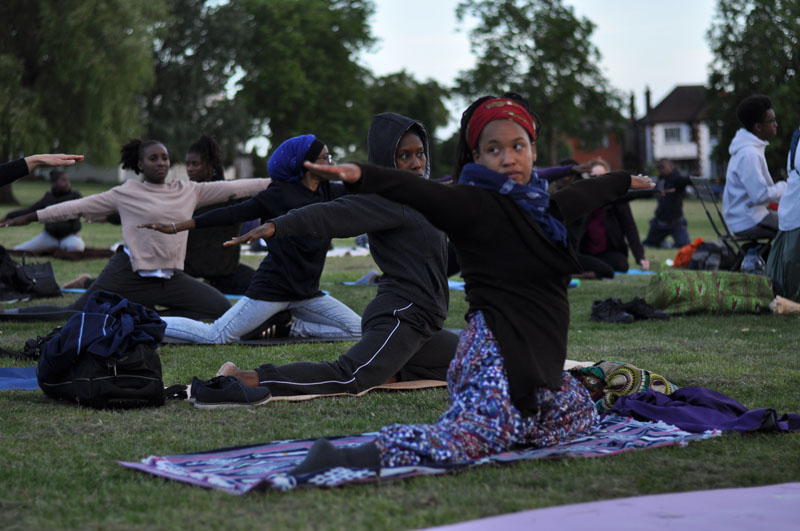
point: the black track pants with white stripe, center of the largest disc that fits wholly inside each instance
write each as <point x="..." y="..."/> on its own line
<point x="399" y="339"/>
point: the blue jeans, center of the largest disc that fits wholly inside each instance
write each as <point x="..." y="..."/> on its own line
<point x="659" y="230"/>
<point x="316" y="317"/>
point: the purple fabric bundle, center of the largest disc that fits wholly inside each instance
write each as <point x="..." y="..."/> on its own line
<point x="697" y="409"/>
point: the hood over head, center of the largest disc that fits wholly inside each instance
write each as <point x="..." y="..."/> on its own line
<point x="744" y="138"/>
<point x="385" y="132"/>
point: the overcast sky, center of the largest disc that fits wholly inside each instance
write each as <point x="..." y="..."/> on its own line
<point x="642" y="42"/>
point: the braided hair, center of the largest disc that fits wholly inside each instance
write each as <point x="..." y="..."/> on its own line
<point x="131" y="153"/>
<point x="209" y="151"/>
<point x="463" y="152"/>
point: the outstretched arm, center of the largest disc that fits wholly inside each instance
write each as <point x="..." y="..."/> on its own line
<point x="449" y="208"/>
<point x="57" y="159"/>
<point x="583" y="197"/>
<point x="20" y="220"/>
<point x="11" y="171"/>
<point x="169" y="228"/>
<point x="345" y="217"/>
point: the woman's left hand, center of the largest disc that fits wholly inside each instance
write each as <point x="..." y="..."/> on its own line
<point x="642" y="182"/>
<point x="645" y="264"/>
<point x="349" y="173"/>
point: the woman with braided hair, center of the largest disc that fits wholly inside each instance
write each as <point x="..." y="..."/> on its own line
<point x="506" y="383"/>
<point x="148" y="269"/>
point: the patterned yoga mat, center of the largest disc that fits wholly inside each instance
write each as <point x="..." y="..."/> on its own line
<point x="240" y="470"/>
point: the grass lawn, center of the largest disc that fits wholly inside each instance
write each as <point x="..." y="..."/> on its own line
<point x="58" y="462"/>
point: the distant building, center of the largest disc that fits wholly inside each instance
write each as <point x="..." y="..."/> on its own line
<point x="609" y="150"/>
<point x="676" y="129"/>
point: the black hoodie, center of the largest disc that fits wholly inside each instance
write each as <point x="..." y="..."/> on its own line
<point x="56" y="229"/>
<point x="411" y="253"/>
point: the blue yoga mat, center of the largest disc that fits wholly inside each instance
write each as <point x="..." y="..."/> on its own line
<point x="18" y="378"/>
<point x="459" y="284"/>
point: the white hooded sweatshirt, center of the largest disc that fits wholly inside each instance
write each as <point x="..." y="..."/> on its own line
<point x="789" y="207"/>
<point x="748" y="185"/>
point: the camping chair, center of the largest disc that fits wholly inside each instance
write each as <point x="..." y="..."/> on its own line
<point x="702" y="187"/>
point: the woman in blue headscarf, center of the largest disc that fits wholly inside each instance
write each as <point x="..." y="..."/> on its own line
<point x="286" y="284"/>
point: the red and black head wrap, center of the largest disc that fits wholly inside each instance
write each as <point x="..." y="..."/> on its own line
<point x="498" y="109"/>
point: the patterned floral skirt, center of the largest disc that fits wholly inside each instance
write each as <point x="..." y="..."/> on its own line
<point x="481" y="419"/>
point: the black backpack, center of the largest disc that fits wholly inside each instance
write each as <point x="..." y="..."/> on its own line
<point x="713" y="256"/>
<point x="128" y="380"/>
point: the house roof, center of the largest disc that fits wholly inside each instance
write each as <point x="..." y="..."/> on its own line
<point x="685" y="103"/>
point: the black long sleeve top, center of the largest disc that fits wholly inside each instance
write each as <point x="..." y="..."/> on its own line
<point x="411" y="253"/>
<point x="293" y="266"/>
<point x="11" y="171"/>
<point x="514" y="274"/>
<point x="57" y="229"/>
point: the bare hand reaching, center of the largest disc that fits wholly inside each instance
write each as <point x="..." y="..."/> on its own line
<point x="641" y="182"/>
<point x="52" y="159"/>
<point x="266" y="231"/>
<point x="169" y="228"/>
<point x="349" y="173"/>
<point x="20" y="220"/>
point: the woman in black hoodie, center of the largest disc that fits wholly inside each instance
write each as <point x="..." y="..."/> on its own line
<point x="402" y="336"/>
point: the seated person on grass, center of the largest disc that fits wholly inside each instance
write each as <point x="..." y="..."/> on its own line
<point x="286" y="283"/>
<point x="605" y="236"/>
<point x="402" y="336"/>
<point x="668" y="219"/>
<point x="206" y="258"/>
<point x="58" y="234"/>
<point x="148" y="269"/>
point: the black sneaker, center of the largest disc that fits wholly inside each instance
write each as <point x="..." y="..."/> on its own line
<point x="610" y="311"/>
<point x="227" y="391"/>
<point x="279" y="325"/>
<point x="639" y="309"/>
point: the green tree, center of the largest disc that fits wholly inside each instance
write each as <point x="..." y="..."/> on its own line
<point x="301" y="74"/>
<point x="195" y="50"/>
<point x="73" y="73"/>
<point x="422" y="100"/>
<point x="401" y="93"/>
<point x="542" y="50"/>
<point x="756" y="47"/>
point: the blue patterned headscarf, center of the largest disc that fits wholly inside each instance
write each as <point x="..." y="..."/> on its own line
<point x="286" y="164"/>
<point x="533" y="197"/>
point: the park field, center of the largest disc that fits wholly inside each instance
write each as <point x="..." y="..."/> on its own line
<point x="58" y="465"/>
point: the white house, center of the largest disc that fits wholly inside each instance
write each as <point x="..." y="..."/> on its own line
<point x="676" y="129"/>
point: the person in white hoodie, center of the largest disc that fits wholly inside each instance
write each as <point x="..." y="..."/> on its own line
<point x="782" y="266"/>
<point x="749" y="188"/>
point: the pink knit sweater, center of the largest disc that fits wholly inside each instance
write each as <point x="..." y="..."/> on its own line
<point x="142" y="202"/>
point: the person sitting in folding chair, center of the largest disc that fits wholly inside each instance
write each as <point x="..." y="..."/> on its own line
<point x="749" y="188"/>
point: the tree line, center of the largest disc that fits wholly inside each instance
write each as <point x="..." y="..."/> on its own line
<point x="85" y="75"/>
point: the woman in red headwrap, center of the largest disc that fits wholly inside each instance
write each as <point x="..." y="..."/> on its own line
<point x="506" y="383"/>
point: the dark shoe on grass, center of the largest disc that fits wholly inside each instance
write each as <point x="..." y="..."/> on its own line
<point x="610" y="311"/>
<point x="640" y="310"/>
<point x="226" y="391"/>
<point x="279" y="325"/>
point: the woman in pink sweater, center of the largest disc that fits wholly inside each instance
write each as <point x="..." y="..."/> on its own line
<point x="148" y="269"/>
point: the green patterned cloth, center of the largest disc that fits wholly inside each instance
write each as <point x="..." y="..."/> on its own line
<point x="715" y="292"/>
<point x="607" y="380"/>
